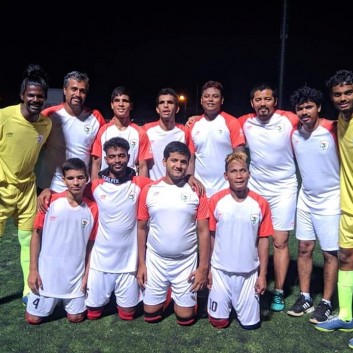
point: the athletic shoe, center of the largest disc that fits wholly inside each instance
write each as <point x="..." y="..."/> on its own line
<point x="350" y="343"/>
<point x="334" y="323"/>
<point x="321" y="313"/>
<point x="301" y="306"/>
<point x="277" y="302"/>
<point x="25" y="300"/>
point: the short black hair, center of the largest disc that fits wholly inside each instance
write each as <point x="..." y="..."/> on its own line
<point x="74" y="164"/>
<point x="115" y="142"/>
<point x="340" y="77"/>
<point x="306" y="94"/>
<point x="35" y="75"/>
<point x="261" y="86"/>
<point x="166" y="91"/>
<point x="176" y="146"/>
<point x="119" y="91"/>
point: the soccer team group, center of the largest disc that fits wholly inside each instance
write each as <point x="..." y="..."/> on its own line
<point x="159" y="212"/>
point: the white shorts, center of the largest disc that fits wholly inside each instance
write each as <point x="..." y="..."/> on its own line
<point x="162" y="272"/>
<point x="100" y="286"/>
<point x="310" y="226"/>
<point x="42" y="306"/>
<point x="283" y="208"/>
<point x="237" y="291"/>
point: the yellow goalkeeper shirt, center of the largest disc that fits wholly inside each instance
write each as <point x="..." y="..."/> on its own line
<point x="20" y="144"/>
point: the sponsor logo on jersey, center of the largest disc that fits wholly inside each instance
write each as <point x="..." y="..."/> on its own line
<point x="133" y="143"/>
<point x="324" y="145"/>
<point x="132" y="196"/>
<point x="87" y="129"/>
<point x="254" y="218"/>
<point x="280" y="127"/>
<point x="185" y="196"/>
<point x="9" y="134"/>
<point x="84" y="222"/>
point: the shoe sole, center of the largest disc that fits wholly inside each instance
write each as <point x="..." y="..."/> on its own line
<point x="307" y="311"/>
<point x="335" y="329"/>
<point x="314" y="321"/>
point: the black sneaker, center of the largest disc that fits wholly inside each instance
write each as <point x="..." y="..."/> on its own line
<point x="321" y="313"/>
<point x="301" y="306"/>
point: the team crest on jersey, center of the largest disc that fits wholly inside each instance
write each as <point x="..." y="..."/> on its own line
<point x="254" y="218"/>
<point x="40" y="138"/>
<point x="132" y="196"/>
<point x="185" y="196"/>
<point x="324" y="145"/>
<point x="280" y="127"/>
<point x="103" y="197"/>
<point x="84" y="222"/>
<point x="52" y="218"/>
<point x="87" y="129"/>
<point x="133" y="143"/>
<point x="155" y="194"/>
<point x="220" y="132"/>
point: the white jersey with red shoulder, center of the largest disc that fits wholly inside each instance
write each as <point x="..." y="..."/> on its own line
<point x="211" y="141"/>
<point x="172" y="212"/>
<point x="115" y="248"/>
<point x="136" y="136"/>
<point x="237" y="226"/>
<point x="159" y="138"/>
<point x="272" y="165"/>
<point x="70" y="137"/>
<point x="318" y="162"/>
<point x="65" y="234"/>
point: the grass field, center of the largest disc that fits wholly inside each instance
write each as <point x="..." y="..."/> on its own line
<point x="279" y="332"/>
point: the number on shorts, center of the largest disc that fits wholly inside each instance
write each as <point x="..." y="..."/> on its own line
<point x="212" y="305"/>
<point x="36" y="302"/>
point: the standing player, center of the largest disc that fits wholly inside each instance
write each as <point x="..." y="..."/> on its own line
<point x="122" y="126"/>
<point x="273" y="173"/>
<point x="74" y="129"/>
<point x="318" y="209"/>
<point x="214" y="134"/>
<point x="240" y="224"/>
<point x="60" y="247"/>
<point x="173" y="240"/>
<point x="19" y="123"/>
<point x="341" y="93"/>
<point x="113" y="262"/>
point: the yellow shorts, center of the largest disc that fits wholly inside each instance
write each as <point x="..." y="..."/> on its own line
<point x="20" y="203"/>
<point x="346" y="231"/>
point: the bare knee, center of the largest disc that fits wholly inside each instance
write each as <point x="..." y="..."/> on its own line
<point x="74" y="318"/>
<point x="218" y="323"/>
<point x="33" y="320"/>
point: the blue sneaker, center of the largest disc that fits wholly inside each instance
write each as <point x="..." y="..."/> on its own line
<point x="277" y="302"/>
<point x="335" y="323"/>
<point x="350" y="343"/>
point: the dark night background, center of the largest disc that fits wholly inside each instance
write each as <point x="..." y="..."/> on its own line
<point x="149" y="46"/>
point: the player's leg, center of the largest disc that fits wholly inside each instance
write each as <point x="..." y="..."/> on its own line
<point x="245" y="301"/>
<point x="219" y="299"/>
<point x="343" y="321"/>
<point x="155" y="292"/>
<point x="283" y="208"/>
<point x="38" y="308"/>
<point x="75" y="309"/>
<point x="185" y="301"/>
<point x="306" y="236"/>
<point x="128" y="295"/>
<point x="327" y="233"/>
<point x="100" y="286"/>
<point x="26" y="211"/>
